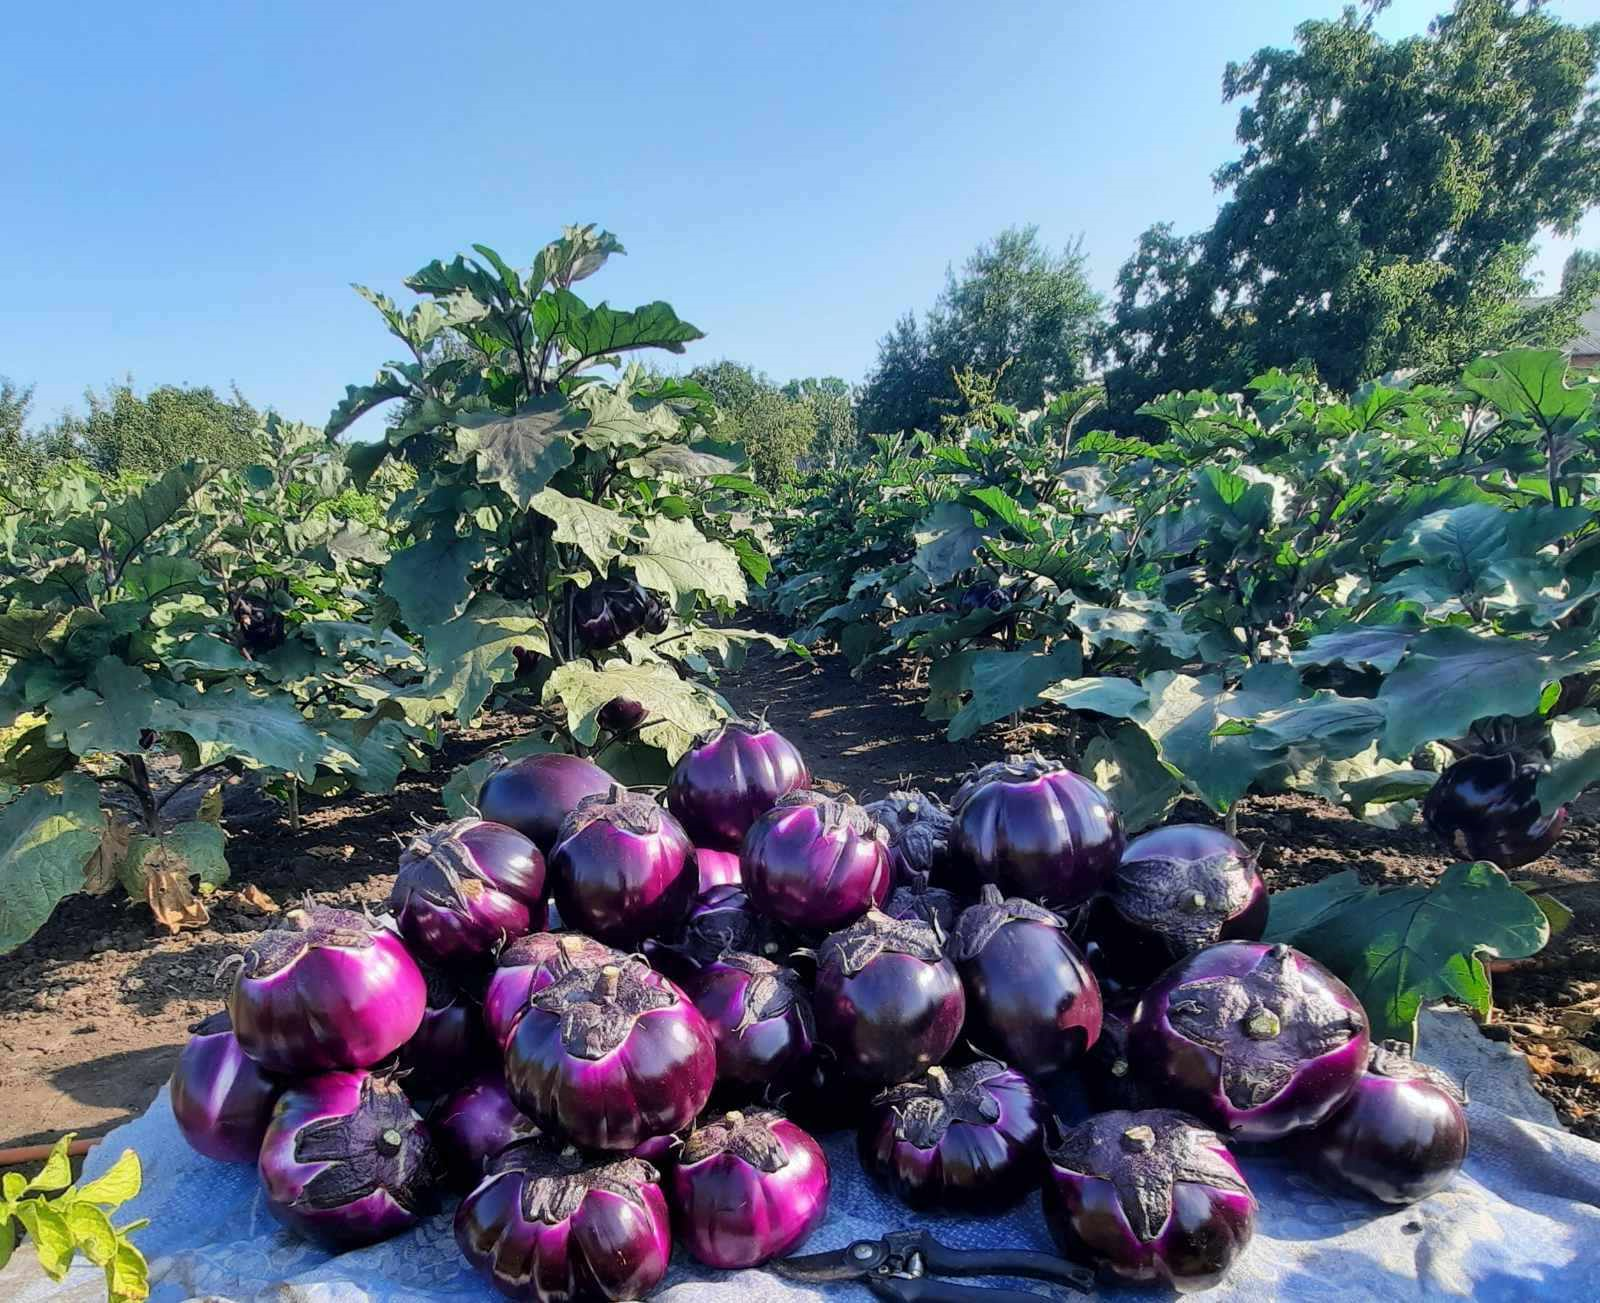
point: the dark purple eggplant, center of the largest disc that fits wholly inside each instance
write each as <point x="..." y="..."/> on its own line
<point x="815" y="863"/>
<point x="1148" y="1198"/>
<point x="718" y="868"/>
<point x="933" y="905"/>
<point x="747" y="1188"/>
<point x="1177" y="890"/>
<point x="731" y="777"/>
<point x="475" y="1122"/>
<point x="222" y="1099"/>
<point x="1402" y="1134"/>
<point x="534" y="794"/>
<point x="1256" y="1040"/>
<point x="1037" y="830"/>
<point x="1109" y="1081"/>
<point x="1486" y="807"/>
<point x="449" y="1044"/>
<point x="464" y="888"/>
<point x="622" y="715"/>
<point x="1032" y="1000"/>
<point x="967" y="1140"/>
<point x="985" y="595"/>
<point x="760" y="1016"/>
<point x="527" y="966"/>
<point x="609" y="610"/>
<point x="623" y="869"/>
<point x="888" y="1003"/>
<point x="919" y="835"/>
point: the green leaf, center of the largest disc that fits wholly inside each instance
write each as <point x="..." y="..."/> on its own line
<point x="1007" y="681"/>
<point x="755" y="562"/>
<point x="676" y="559"/>
<point x="358" y="400"/>
<point x="675" y="459"/>
<point x="1125" y="766"/>
<point x="127" y="1274"/>
<point x="1418" y="943"/>
<point x="158" y="577"/>
<point x="1576" y="763"/>
<point x="8" y="1239"/>
<point x="13" y="1185"/>
<point x="428" y="580"/>
<point x="593" y="530"/>
<point x="1295" y="910"/>
<point x="29" y="757"/>
<point x="1104" y="694"/>
<point x="1336" y="727"/>
<point x="52" y="1239"/>
<point x="198" y="850"/>
<point x="117" y="1184"/>
<point x="593" y="332"/>
<point x="1557" y="915"/>
<point x="1239" y="507"/>
<point x="522" y="451"/>
<point x="1001" y="506"/>
<point x="946" y="540"/>
<point x="469" y="655"/>
<point x="1378" y="645"/>
<point x="91" y="1232"/>
<point x="1531" y="383"/>
<point x="56" y="1174"/>
<point x="44" y="841"/>
<point x="1140" y="624"/>
<point x="678" y="710"/>
<point x="132" y="522"/>
<point x="25" y="631"/>
<point x="263" y="730"/>
<point x="111" y="717"/>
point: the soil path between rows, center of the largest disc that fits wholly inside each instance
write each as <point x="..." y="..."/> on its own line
<point x="95" y="1008"/>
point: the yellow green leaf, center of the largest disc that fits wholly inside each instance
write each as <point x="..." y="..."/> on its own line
<point x="52" y="1239"/>
<point x="57" y="1171"/>
<point x="127" y="1275"/>
<point x="91" y="1231"/>
<point x="119" y="1183"/>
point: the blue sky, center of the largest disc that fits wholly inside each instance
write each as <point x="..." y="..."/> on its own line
<point x="191" y="188"/>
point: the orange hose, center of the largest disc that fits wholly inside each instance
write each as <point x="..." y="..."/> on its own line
<point x="38" y="1153"/>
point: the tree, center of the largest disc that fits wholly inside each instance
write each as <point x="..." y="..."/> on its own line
<point x="775" y="428"/>
<point x="1382" y="210"/>
<point x="1015" y="302"/>
<point x="171" y="424"/>
<point x="834" y="404"/>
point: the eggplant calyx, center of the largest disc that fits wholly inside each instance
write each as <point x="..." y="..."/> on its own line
<point x="978" y="923"/>
<point x="556" y="1185"/>
<point x="379" y="1145"/>
<point x="926" y="1107"/>
<point x="1188" y="900"/>
<point x="1138" y="1139"/>
<point x="1393" y="1059"/>
<point x="303" y="928"/>
<point x="770" y="991"/>
<point x="874" y="934"/>
<point x="747" y="1136"/>
<point x="598" y="1005"/>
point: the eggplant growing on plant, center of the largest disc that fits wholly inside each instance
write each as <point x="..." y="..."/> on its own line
<point x="222" y="1099"/>
<point x="555" y="1227"/>
<point x="1148" y="1198"/>
<point x="1256" y="1040"/>
<point x="610" y="1055"/>
<point x="967" y="1140"/>
<point x="888" y="1003"/>
<point x="623" y="868"/>
<point x="534" y="794"/>
<point x="985" y="595"/>
<point x="1486" y="807"/>
<point x="748" y="1188"/>
<point x="729" y="778"/>
<point x="527" y="966"/>
<point x="346" y="1162"/>
<point x="1177" y="890"/>
<point x="1031" y="998"/>
<point x="919" y="835"/>
<point x="622" y="715"/>
<point x="1402" y="1134"/>
<point x="815" y="863"/>
<point x="475" y="1122"/>
<point x="760" y="1016"/>
<point x="327" y="989"/>
<point x="609" y="610"/>
<point x="465" y="888"/>
<point x="1037" y="830"/>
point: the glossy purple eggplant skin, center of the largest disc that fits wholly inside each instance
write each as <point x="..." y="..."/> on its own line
<point x="730" y="778"/>
<point x="609" y="1056"/>
<point x="1402" y="1134"/>
<point x="327" y="989"/>
<point x="622" y="715"/>
<point x="474" y="1123"/>
<point x="526" y="967"/>
<point x="1256" y="1040"/>
<point x="1148" y="1198"/>
<point x="748" y="1188"/>
<point x="965" y="1140"/>
<point x="1486" y="807"/>
<point x="1032" y="1000"/>
<point x="450" y="1043"/>
<point x="815" y="863"/>
<point x="919" y="827"/>
<point x="1037" y="830"/>
<point x="1177" y="890"/>
<point x="623" y="869"/>
<point x="534" y="794"/>
<point x="221" y="1098"/>
<point x="760" y="1016"/>
<point x="717" y="868"/>
<point x="933" y="905"/>
<point x="346" y="1162"/>
<point x="566" y="1231"/>
<point x="464" y="888"/>
<point x="888" y="1003"/>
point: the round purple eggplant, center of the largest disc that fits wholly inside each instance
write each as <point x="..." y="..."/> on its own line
<point x="731" y="777"/>
<point x="327" y="989"/>
<point x="559" y="1228"/>
<point x="1402" y="1134"/>
<point x="622" y="715"/>
<point x="1148" y="1198"/>
<point x="609" y="610"/>
<point x="967" y="1140"/>
<point x="1177" y="890"/>
<point x="526" y="967"/>
<point x="888" y="1003"/>
<point x="985" y="595"/>
<point x="718" y="868"/>
<point x="1486" y="807"/>
<point x="722" y="919"/>
<point x="450" y="1043"/>
<point x="623" y="869"/>
<point x="534" y="794"/>
<point x="1256" y="1040"/>
<point x="221" y="1098"/>
<point x="1037" y="830"/>
<point x="919" y="835"/>
<point x="1031" y="998"/>
<point x="815" y="863"/>
<point x="609" y="1056"/>
<point x="475" y="1122"/>
<point x="465" y="887"/>
<point x="346" y="1162"/>
<point x="759" y="1015"/>
<point x="747" y="1188"/>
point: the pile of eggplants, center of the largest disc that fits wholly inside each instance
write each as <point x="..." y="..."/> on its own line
<point x="997" y="996"/>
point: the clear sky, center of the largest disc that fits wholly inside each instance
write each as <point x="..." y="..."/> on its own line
<point x="188" y="189"/>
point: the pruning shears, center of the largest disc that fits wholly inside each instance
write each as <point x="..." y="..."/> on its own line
<point x="901" y="1266"/>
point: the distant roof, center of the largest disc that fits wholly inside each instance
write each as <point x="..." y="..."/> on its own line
<point x="1587" y="340"/>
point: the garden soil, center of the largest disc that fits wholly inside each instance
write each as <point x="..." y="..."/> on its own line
<point x="94" y="1009"/>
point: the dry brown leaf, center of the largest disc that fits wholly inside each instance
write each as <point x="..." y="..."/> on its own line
<point x="172" y="902"/>
<point x="100" y="869"/>
<point x="256" y="900"/>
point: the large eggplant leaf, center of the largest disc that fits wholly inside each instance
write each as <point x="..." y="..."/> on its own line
<point x="1334" y="726"/>
<point x="428" y="580"/>
<point x="1531" y="383"/>
<point x="946" y="539"/>
<point x="1419" y="943"/>
<point x="108" y="718"/>
<point x="593" y="530"/>
<point x="195" y="850"/>
<point x="469" y="655"/>
<point x="676" y="559"/>
<point x="1576" y="763"/>
<point x="1378" y="645"/>
<point x="677" y="710"/>
<point x="1104" y="694"/>
<point x="45" y="838"/>
<point x="1007" y="681"/>
<point x="1125" y="766"/>
<point x="358" y="400"/>
<point x="1137" y="623"/>
<point x="1297" y="910"/>
<point x="263" y="730"/>
<point x="522" y="451"/>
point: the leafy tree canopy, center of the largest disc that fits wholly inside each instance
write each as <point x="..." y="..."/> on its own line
<point x="170" y="425"/>
<point x="808" y="420"/>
